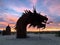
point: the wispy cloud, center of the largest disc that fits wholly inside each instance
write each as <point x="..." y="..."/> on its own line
<point x="34" y="2"/>
<point x="19" y="9"/>
<point x="3" y="23"/>
<point x="10" y="17"/>
<point x="46" y="2"/>
<point x="54" y="9"/>
<point x="53" y="6"/>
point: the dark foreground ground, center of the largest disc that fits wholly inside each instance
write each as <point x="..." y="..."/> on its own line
<point x="34" y="39"/>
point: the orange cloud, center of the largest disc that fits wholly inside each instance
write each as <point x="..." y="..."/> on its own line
<point x="10" y="18"/>
<point x="12" y="25"/>
<point x="3" y="23"/>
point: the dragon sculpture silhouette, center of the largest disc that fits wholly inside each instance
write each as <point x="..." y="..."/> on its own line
<point x="32" y="18"/>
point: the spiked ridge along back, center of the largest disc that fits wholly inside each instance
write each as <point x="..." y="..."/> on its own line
<point x="32" y="18"/>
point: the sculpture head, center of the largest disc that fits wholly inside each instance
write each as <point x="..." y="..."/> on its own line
<point x="32" y="18"/>
<point x="36" y="19"/>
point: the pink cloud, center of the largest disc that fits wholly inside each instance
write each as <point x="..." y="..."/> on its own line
<point x="10" y="17"/>
<point x="54" y="9"/>
<point x="45" y="2"/>
<point x="4" y="23"/>
<point x="59" y="24"/>
<point x="43" y="13"/>
<point x="54" y="6"/>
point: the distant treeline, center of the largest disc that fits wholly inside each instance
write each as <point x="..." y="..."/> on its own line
<point x="42" y="32"/>
<point x="45" y="32"/>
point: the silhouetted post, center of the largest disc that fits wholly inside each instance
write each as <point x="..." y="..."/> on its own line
<point x="21" y="33"/>
<point x="4" y="32"/>
<point x="39" y="32"/>
<point x="8" y="30"/>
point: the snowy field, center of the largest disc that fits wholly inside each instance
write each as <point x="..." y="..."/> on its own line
<point x="34" y="39"/>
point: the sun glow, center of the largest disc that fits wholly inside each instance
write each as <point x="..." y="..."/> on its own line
<point x="32" y="29"/>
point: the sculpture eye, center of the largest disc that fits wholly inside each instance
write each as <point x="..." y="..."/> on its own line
<point x="45" y="21"/>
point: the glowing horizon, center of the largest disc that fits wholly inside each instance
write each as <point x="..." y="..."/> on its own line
<point x="34" y="29"/>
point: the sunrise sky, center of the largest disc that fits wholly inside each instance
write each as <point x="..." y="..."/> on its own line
<point x="11" y="10"/>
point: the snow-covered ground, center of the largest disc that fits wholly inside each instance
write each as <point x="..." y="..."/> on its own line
<point x="34" y="39"/>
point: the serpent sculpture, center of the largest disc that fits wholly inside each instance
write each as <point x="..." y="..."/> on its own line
<point x="32" y="18"/>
